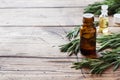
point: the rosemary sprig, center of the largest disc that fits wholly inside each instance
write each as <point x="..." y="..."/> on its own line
<point x="73" y="33"/>
<point x="99" y="65"/>
<point x="108" y="58"/>
<point x="109" y="41"/>
<point x="72" y="47"/>
<point x="114" y="7"/>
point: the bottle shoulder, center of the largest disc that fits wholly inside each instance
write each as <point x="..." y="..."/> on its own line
<point x="103" y="15"/>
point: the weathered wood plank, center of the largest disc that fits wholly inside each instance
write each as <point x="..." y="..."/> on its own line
<point x="30" y="67"/>
<point x="48" y="62"/>
<point x="44" y="3"/>
<point x="37" y="64"/>
<point x="34" y="68"/>
<point x="40" y="77"/>
<point x="32" y="41"/>
<point x="40" y="17"/>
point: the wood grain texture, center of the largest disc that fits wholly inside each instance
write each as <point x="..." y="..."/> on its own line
<point x="29" y="68"/>
<point x="40" y="17"/>
<point x="42" y="12"/>
<point x="32" y="41"/>
<point x="40" y="62"/>
<point x="44" y="3"/>
<point x="30" y="34"/>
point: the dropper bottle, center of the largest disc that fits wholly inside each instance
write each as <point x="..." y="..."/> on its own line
<point x="103" y="20"/>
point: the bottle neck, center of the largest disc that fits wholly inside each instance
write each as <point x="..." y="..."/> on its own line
<point x="88" y="20"/>
<point x="104" y="12"/>
<point x="88" y="24"/>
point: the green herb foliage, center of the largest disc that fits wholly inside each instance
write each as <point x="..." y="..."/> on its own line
<point x="108" y="58"/>
<point x="73" y="33"/>
<point x="72" y="48"/>
<point x="99" y="65"/>
<point x="95" y="8"/>
<point x="109" y="41"/>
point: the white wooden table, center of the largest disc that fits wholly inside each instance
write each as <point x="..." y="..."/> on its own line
<point x="30" y="33"/>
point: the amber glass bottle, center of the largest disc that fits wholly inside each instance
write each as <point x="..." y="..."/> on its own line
<point x="88" y="36"/>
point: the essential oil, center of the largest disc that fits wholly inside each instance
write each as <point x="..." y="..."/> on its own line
<point x="88" y="36"/>
<point x="103" y="20"/>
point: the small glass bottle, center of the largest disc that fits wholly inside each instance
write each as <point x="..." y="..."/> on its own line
<point x="88" y="36"/>
<point x="103" y="20"/>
